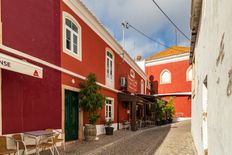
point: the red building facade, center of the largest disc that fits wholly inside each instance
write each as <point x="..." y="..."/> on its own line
<point x="59" y="43"/>
<point x="170" y="74"/>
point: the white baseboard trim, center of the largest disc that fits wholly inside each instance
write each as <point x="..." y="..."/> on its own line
<point x="179" y="119"/>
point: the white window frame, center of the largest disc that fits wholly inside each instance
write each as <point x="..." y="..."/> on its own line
<point x="109" y="81"/>
<point x="112" y="108"/>
<point x="78" y="56"/>
<point x="188" y="78"/>
<point x="161" y="74"/>
<point x="142" y="86"/>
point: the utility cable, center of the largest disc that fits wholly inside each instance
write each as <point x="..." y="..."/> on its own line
<point x="171" y="21"/>
<point x="142" y="33"/>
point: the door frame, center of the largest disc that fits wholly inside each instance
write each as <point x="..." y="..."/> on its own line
<point x="80" y="113"/>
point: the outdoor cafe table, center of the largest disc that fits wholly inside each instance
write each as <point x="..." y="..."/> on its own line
<point x="38" y="135"/>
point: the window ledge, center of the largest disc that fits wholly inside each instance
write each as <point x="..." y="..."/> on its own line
<point x="76" y="56"/>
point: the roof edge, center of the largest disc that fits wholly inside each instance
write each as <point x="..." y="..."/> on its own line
<point x="104" y="34"/>
<point x="196" y="10"/>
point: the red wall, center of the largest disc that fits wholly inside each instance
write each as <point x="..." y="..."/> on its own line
<point x="178" y="84"/>
<point x="178" y="77"/>
<point x="93" y="61"/>
<point x="182" y="105"/>
<point x="29" y="103"/>
<point x="93" y="56"/>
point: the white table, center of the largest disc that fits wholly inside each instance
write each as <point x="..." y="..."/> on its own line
<point x="38" y="135"/>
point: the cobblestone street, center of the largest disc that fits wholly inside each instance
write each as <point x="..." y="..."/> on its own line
<point x="178" y="141"/>
<point x="169" y="140"/>
<point x="172" y="139"/>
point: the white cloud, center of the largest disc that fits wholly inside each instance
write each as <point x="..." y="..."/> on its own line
<point x="144" y="15"/>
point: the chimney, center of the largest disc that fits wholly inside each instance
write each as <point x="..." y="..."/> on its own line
<point x="138" y="58"/>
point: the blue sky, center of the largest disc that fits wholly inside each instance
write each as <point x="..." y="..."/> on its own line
<point x="145" y="16"/>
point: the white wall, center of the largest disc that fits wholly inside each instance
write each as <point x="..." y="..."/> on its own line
<point x="141" y="64"/>
<point x="216" y="20"/>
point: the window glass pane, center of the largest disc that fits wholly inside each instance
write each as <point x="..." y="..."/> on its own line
<point x="75" y="43"/>
<point x="107" y="68"/>
<point x="110" y="112"/>
<point x="109" y="55"/>
<point x="74" y="27"/>
<point x="68" y="46"/>
<point x="68" y="22"/>
<point x="111" y="70"/>
<point x="166" y="77"/>
<point x="107" y="111"/>
<point x="75" y="48"/>
<point x="75" y="39"/>
<point x="68" y="34"/>
<point x="68" y="39"/>
<point x="190" y="74"/>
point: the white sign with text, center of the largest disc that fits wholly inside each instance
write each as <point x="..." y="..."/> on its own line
<point x="20" y="66"/>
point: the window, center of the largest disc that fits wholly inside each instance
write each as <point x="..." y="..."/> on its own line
<point x="142" y="87"/>
<point x="165" y="77"/>
<point x="72" y="36"/>
<point x="109" y="109"/>
<point x="132" y="73"/>
<point x="189" y="74"/>
<point x="109" y="69"/>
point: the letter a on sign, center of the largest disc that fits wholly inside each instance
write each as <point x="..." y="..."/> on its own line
<point x="36" y="73"/>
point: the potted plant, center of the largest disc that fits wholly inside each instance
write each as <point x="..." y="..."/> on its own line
<point x="159" y="111"/>
<point x="91" y="101"/>
<point x="108" y="127"/>
<point x="170" y="110"/>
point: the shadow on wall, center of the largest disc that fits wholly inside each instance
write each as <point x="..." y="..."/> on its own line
<point x="154" y="85"/>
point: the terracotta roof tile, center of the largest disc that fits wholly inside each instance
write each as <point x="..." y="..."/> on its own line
<point x="174" y="50"/>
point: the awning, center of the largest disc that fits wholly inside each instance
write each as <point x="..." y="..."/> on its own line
<point x="19" y="66"/>
<point x="144" y="99"/>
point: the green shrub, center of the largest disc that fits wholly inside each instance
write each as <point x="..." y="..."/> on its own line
<point x="91" y="100"/>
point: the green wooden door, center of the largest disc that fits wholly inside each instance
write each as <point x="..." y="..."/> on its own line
<point x="71" y="115"/>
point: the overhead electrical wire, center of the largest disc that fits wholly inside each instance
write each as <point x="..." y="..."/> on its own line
<point x="127" y="25"/>
<point x="171" y="20"/>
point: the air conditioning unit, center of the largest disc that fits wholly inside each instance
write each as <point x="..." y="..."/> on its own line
<point x="123" y="82"/>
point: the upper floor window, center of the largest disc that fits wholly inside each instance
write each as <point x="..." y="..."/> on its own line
<point x="71" y="36"/>
<point x="142" y="87"/>
<point x="109" y="109"/>
<point x="165" y="77"/>
<point x="189" y="74"/>
<point x="109" y="69"/>
<point x="132" y="73"/>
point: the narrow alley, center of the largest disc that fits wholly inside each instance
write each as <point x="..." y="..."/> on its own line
<point x="172" y="139"/>
<point x="168" y="140"/>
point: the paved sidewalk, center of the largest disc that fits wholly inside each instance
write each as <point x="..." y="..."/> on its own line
<point x="172" y="139"/>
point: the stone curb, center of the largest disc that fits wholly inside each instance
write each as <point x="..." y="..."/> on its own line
<point x="98" y="150"/>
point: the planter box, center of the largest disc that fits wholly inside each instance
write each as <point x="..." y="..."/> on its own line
<point x="109" y="130"/>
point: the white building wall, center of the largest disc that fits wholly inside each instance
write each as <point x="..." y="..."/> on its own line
<point x="141" y="64"/>
<point x="216" y="21"/>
